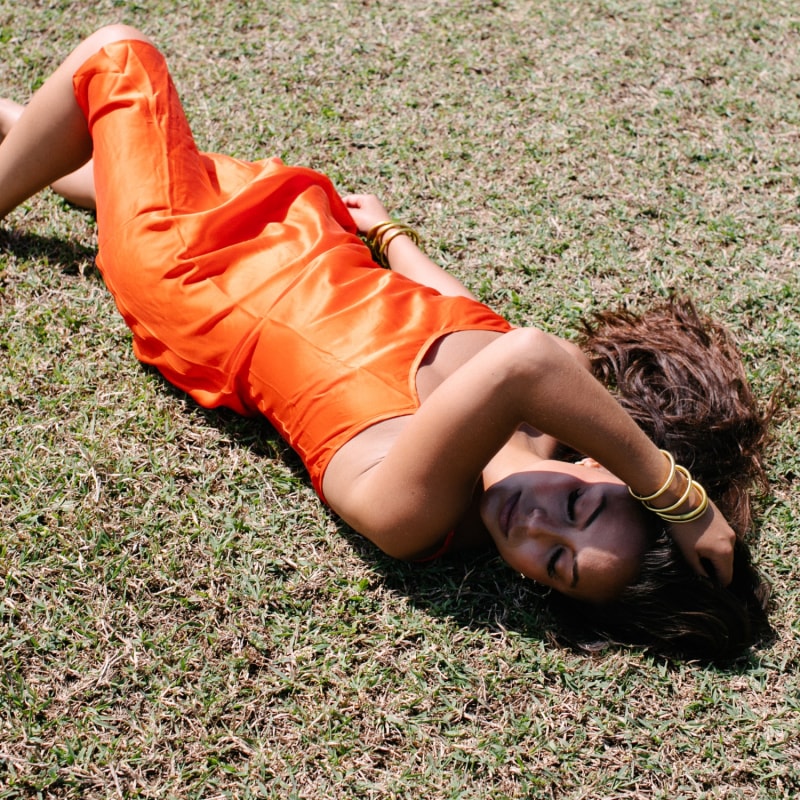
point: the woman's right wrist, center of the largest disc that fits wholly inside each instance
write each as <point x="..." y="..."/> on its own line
<point x="380" y="236"/>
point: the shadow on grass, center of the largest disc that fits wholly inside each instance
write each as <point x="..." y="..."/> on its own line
<point x="72" y="256"/>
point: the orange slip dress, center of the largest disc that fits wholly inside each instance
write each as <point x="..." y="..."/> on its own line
<point x="245" y="283"/>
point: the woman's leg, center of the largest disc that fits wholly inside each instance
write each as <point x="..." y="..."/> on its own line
<point x="51" y="139"/>
<point x="78" y="186"/>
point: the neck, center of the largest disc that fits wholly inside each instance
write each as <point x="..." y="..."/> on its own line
<point x="527" y="446"/>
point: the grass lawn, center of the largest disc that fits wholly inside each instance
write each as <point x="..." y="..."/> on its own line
<point x="181" y="618"/>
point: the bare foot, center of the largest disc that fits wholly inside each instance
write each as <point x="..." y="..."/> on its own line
<point x="9" y="113"/>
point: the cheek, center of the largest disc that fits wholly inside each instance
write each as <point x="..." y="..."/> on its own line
<point x="619" y="558"/>
<point x="621" y="566"/>
<point x="522" y="561"/>
<point x="627" y="538"/>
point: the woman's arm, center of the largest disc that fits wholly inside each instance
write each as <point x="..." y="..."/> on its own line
<point x="404" y="256"/>
<point x="426" y="480"/>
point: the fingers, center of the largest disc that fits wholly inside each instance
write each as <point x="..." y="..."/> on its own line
<point x="365" y="209"/>
<point x="718" y="549"/>
<point x="707" y="545"/>
<point x="360" y="200"/>
<point x="717" y="563"/>
<point x="717" y="567"/>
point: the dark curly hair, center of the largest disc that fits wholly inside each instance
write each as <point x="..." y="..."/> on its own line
<point x="680" y="376"/>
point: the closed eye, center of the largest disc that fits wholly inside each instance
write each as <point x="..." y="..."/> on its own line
<point x="593" y="516"/>
<point x="553" y="562"/>
<point x="572" y="499"/>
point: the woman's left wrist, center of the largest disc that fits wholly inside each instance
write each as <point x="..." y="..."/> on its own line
<point x="679" y="499"/>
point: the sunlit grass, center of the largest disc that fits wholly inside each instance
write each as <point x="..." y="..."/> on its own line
<point x="179" y="615"/>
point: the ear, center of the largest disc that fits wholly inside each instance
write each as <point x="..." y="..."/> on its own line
<point x="591" y="463"/>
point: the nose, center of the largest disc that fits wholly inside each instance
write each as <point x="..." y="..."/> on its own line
<point x="538" y="526"/>
<point x="543" y="543"/>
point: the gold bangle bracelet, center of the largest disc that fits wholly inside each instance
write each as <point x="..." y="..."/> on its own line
<point x="664" y="487"/>
<point x="691" y="484"/>
<point x="380" y="236"/>
<point x="689" y="516"/>
<point x="376" y="231"/>
<point x="683" y="498"/>
<point x="388" y="238"/>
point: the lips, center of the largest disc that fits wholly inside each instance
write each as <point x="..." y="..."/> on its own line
<point x="507" y="511"/>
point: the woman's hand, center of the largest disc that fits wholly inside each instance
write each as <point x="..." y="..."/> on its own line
<point x="708" y="539"/>
<point x="366" y="210"/>
<point x="405" y="258"/>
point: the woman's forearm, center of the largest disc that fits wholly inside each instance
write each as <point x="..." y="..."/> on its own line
<point x="406" y="259"/>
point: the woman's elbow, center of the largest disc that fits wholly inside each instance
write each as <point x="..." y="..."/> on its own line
<point x="532" y="354"/>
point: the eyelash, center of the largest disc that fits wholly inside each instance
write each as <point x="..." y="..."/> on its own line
<point x="551" y="564"/>
<point x="571" y="501"/>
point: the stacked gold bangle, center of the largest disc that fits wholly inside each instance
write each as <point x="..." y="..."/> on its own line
<point x="380" y="236"/>
<point x="667" y="513"/>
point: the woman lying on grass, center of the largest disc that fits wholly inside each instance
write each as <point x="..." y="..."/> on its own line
<point x="425" y="420"/>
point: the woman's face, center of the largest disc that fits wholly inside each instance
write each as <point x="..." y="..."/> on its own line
<point x="573" y="527"/>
